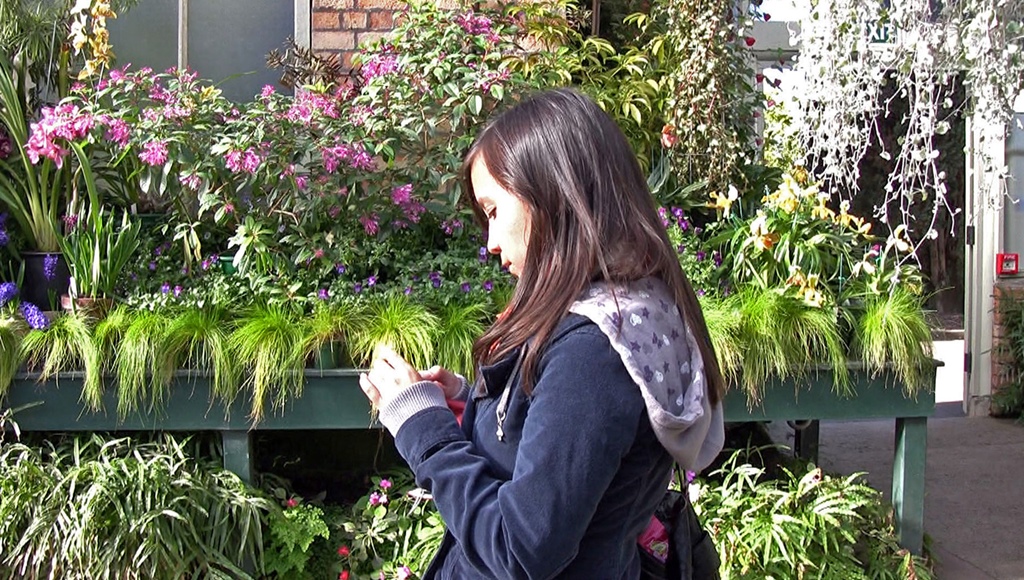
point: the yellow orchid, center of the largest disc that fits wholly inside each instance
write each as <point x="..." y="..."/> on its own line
<point x="864" y="266"/>
<point x="101" y="9"/>
<point x="763" y="238"/>
<point x="899" y="239"/>
<point x="208" y="92"/>
<point x="796" y="277"/>
<point x="810" y="294"/>
<point x="848" y="220"/>
<point x="821" y="211"/>
<point x="724" y="202"/>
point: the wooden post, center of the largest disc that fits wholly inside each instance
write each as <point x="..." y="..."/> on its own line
<point x="908" y="470"/>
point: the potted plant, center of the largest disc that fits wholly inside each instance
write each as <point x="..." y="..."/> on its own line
<point x="32" y="186"/>
<point x="98" y="246"/>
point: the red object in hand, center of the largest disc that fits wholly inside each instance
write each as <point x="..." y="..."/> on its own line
<point x="457" y="407"/>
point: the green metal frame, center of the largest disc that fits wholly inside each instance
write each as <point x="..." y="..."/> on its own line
<point x="332" y="399"/>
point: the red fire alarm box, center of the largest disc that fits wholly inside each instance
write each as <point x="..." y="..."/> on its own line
<point x="1006" y="264"/>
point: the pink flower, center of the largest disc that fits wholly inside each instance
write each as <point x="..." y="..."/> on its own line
<point x="379" y="65"/>
<point x="385" y="484"/>
<point x="401" y="194"/>
<point x="191" y="181"/>
<point x="343" y="551"/>
<point x="267" y="91"/>
<point x="154" y="153"/>
<point x="404" y="573"/>
<point x="343" y="575"/>
<point x="371" y="224"/>
<point x="247" y="161"/>
<point x="117" y="131"/>
<point x="291" y="502"/>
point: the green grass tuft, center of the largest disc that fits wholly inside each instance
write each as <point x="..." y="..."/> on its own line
<point x="143" y="364"/>
<point x="270" y="342"/>
<point x="199" y="339"/>
<point x="783" y="336"/>
<point x="12" y="331"/>
<point x="893" y="331"/>
<point x="397" y="321"/>
<point x="68" y="345"/>
<point x="458" y="327"/>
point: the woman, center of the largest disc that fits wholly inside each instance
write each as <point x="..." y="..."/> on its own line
<point x="597" y="374"/>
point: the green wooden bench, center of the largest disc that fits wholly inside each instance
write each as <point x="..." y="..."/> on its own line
<point x="331" y="399"/>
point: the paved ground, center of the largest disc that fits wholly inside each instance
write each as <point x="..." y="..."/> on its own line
<point x="974" y="504"/>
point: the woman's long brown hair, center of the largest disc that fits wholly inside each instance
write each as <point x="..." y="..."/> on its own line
<point x="592" y="218"/>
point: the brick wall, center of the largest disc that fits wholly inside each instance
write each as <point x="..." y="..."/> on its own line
<point x="1005" y="290"/>
<point x="340" y="26"/>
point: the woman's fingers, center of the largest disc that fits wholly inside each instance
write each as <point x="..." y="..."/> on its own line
<point x="369" y="390"/>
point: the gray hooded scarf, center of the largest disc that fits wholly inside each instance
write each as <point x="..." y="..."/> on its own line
<point x="643" y="323"/>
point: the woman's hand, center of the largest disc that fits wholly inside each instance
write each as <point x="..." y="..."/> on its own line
<point x="388" y="376"/>
<point x="450" y="383"/>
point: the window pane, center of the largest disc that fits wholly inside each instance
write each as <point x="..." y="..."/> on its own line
<point x="228" y="37"/>
<point x="146" y="35"/>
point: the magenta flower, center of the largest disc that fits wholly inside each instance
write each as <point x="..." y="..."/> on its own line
<point x="154" y="153"/>
<point x="385" y="484"/>
<point x="404" y="573"/>
<point x="118" y="131"/>
<point x="379" y="65"/>
<point x="371" y="224"/>
<point x="402" y="194"/>
<point x="323" y="294"/>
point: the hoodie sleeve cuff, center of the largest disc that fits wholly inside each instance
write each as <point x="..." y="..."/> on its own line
<point x="463" y="394"/>
<point x="420" y="396"/>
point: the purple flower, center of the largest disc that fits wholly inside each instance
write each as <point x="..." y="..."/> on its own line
<point x="177" y="291"/>
<point x="371" y="281"/>
<point x="690" y="476"/>
<point x="357" y="288"/>
<point x="435" y="282"/>
<point x="34" y="316"/>
<point x="152" y="266"/>
<point x="165" y="288"/>
<point x="483" y="253"/>
<point x="339" y="268"/>
<point x="717" y="257"/>
<point x="50" y="266"/>
<point x="408" y="290"/>
<point x="466" y="287"/>
<point x="700" y="255"/>
<point x="8" y="290"/>
<point x="488" y="286"/>
<point x="4" y="238"/>
<point x="323" y="294"/>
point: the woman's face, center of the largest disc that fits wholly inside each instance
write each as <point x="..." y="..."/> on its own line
<point x="508" y="219"/>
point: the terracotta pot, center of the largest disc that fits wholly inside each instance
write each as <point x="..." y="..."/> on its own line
<point x="91" y="307"/>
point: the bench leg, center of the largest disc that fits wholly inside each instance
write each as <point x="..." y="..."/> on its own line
<point x="237" y="449"/>
<point x="908" y="471"/>
<point x="805" y="441"/>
